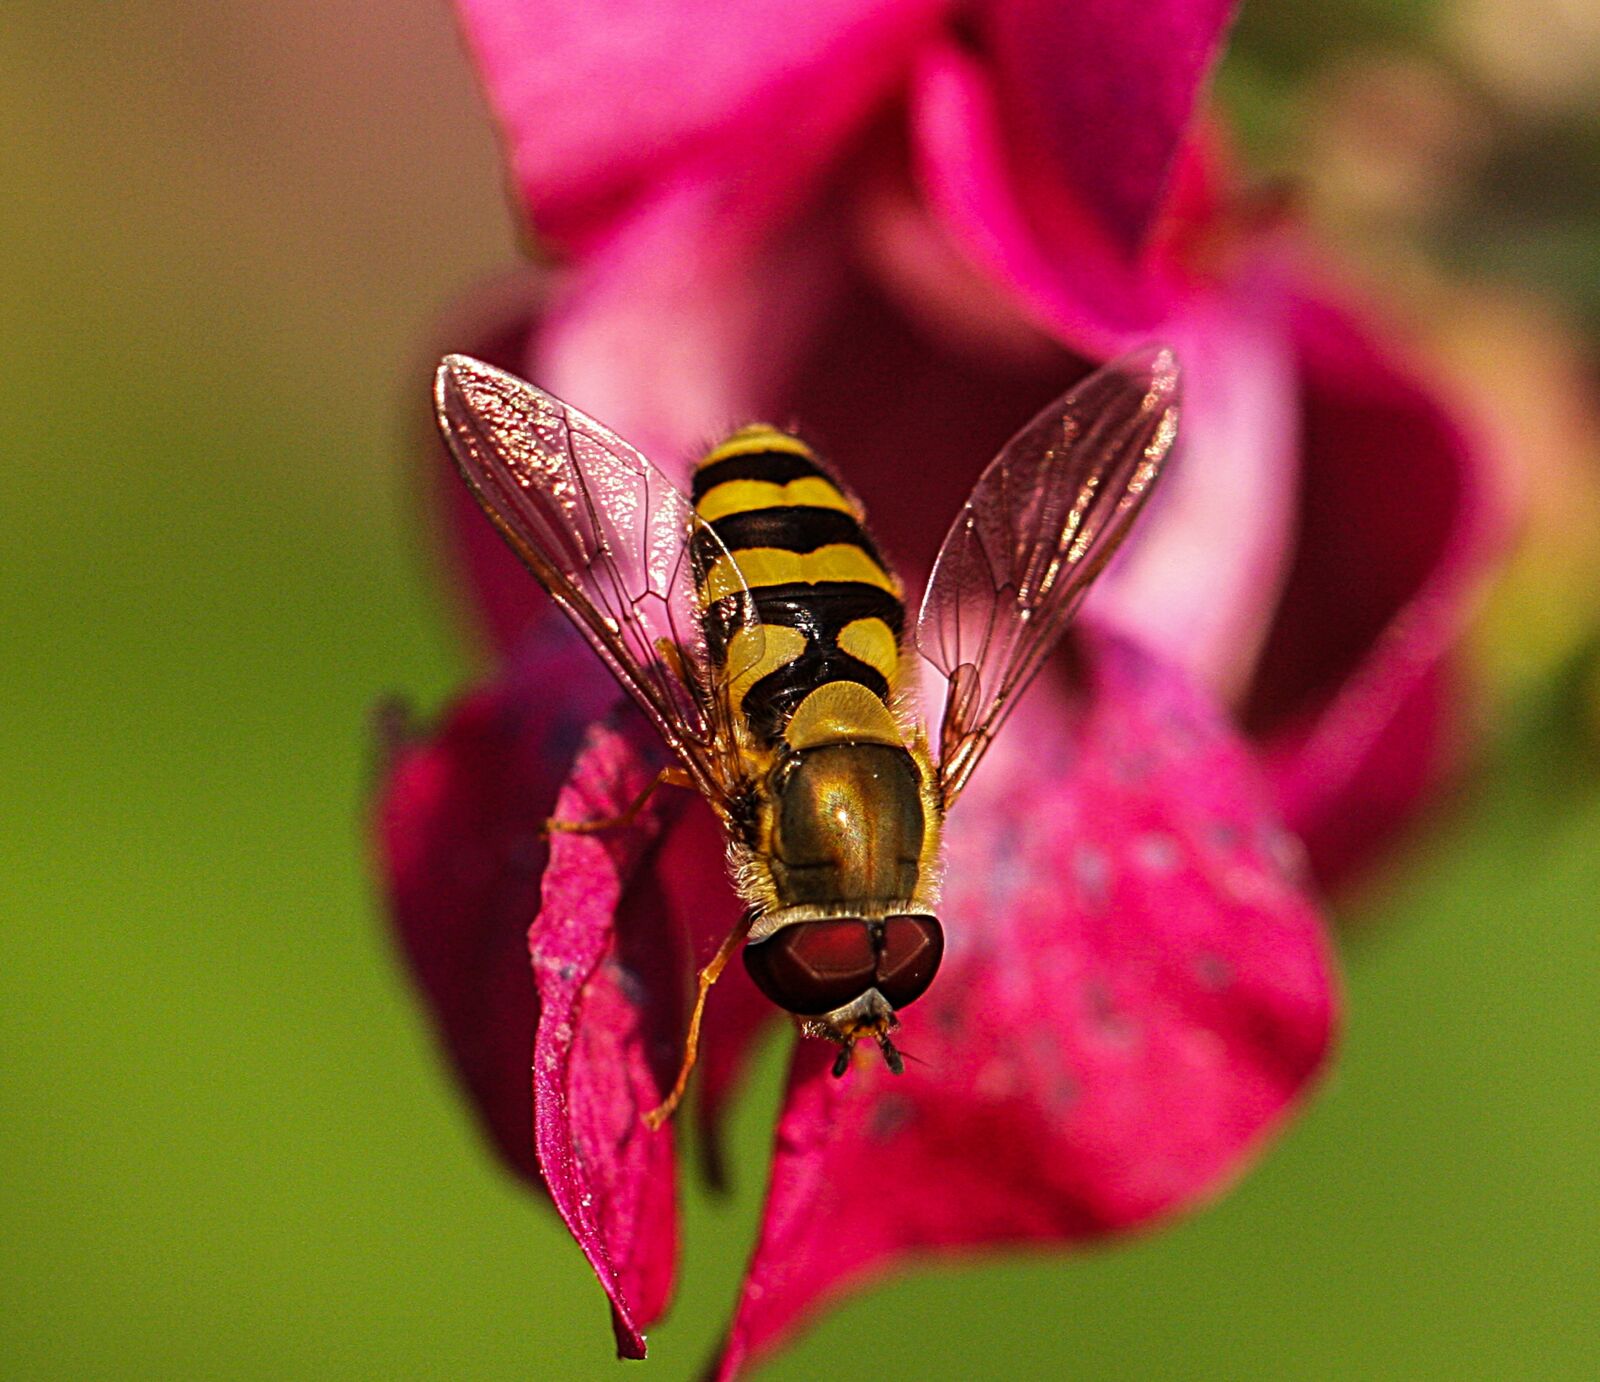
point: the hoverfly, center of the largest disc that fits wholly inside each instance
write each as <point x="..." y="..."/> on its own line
<point x="763" y="634"/>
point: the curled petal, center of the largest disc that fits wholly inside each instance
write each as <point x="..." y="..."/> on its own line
<point x="1201" y="575"/>
<point x="553" y="972"/>
<point x="1136" y="992"/>
<point x="1399" y="517"/>
<point x="609" y="976"/>
<point x="1107" y="89"/>
<point x="1040" y="246"/>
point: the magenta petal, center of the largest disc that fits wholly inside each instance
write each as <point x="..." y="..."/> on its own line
<point x="562" y="1057"/>
<point x="1424" y="740"/>
<point x="606" y="1047"/>
<point x="599" y="102"/>
<point x="1399" y="518"/>
<point x="1199" y="580"/>
<point x="458" y="836"/>
<point x="705" y="908"/>
<point x="1108" y="88"/>
<point x="723" y="306"/>
<point x="1137" y="991"/>
<point x="1044" y="250"/>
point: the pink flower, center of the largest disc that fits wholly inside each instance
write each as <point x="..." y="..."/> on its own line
<point x="907" y="227"/>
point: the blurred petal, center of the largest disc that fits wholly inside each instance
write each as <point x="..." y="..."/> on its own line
<point x="1108" y="89"/>
<point x="606" y="1048"/>
<point x="912" y="255"/>
<point x="598" y="104"/>
<point x="910" y="416"/>
<point x="1421" y="743"/>
<point x="1136" y="993"/>
<point x="684" y="326"/>
<point x="1399" y="518"/>
<point x="1202" y="574"/>
<point x="459" y="842"/>
<point x="680" y="332"/>
<point x="1055" y="260"/>
<point x="706" y="909"/>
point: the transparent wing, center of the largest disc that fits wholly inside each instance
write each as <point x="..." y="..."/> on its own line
<point x="615" y="543"/>
<point x="1043" y="521"/>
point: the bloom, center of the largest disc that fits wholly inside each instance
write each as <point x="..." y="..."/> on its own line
<point x="900" y="224"/>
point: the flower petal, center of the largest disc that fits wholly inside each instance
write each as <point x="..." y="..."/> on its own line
<point x="458" y="836"/>
<point x="1200" y="578"/>
<point x="1043" y="249"/>
<point x="678" y="333"/>
<point x="1108" y="89"/>
<point x="599" y="102"/>
<point x="1136" y="992"/>
<point x="563" y="1063"/>
<point x="606" y="1049"/>
<point x="910" y="416"/>
<point x="685" y="326"/>
<point x="1399" y="517"/>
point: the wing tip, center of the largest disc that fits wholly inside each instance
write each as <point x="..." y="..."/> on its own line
<point x="458" y="374"/>
<point x="450" y="387"/>
<point x="1156" y="365"/>
<point x="469" y="393"/>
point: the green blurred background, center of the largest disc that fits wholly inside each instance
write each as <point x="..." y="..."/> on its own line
<point x="229" y="1147"/>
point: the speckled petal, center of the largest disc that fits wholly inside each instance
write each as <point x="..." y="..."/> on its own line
<point x="607" y="1042"/>
<point x="1137" y="991"/>
<point x="562" y="1060"/>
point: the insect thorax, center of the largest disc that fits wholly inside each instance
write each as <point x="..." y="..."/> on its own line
<point x="846" y="827"/>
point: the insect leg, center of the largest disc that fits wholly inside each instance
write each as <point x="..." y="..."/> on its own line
<point x="891" y="1057"/>
<point x="841" y="1062"/>
<point x="691" y="1046"/>
<point x="667" y="777"/>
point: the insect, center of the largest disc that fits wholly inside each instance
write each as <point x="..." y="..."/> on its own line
<point x="763" y="634"/>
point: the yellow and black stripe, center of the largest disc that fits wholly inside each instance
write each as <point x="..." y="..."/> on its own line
<point x="830" y="609"/>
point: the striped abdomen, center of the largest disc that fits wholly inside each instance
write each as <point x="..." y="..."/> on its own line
<point x="830" y="610"/>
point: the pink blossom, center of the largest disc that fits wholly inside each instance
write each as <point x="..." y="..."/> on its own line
<point x="908" y="227"/>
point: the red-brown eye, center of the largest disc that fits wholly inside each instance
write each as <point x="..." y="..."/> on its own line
<point x="813" y="967"/>
<point x="911" y="950"/>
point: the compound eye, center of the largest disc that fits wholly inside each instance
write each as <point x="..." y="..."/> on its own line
<point x="813" y="967"/>
<point x="909" y="958"/>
